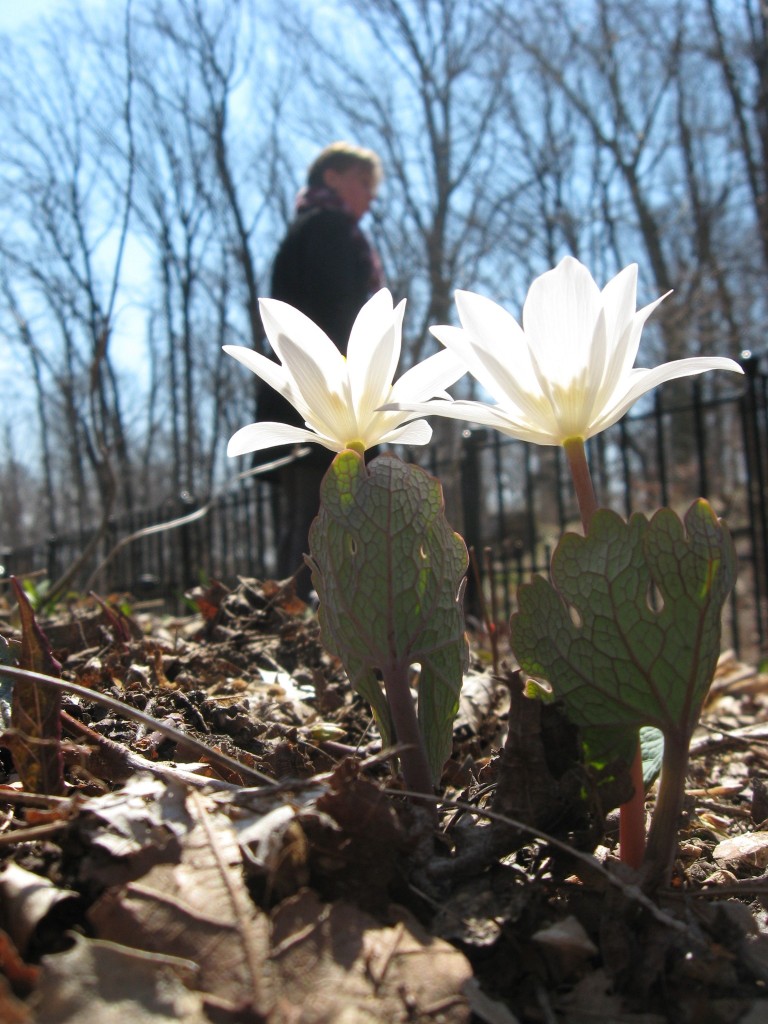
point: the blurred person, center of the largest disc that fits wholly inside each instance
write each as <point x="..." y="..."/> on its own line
<point x="326" y="268"/>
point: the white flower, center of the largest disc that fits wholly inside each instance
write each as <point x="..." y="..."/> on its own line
<point x="338" y="397"/>
<point x="568" y="372"/>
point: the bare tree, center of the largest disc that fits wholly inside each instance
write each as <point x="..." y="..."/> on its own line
<point x="741" y="53"/>
<point x="510" y="135"/>
<point x="63" y="251"/>
<point x="199" y="204"/>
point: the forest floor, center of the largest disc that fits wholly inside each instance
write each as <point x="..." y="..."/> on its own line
<point x="167" y="885"/>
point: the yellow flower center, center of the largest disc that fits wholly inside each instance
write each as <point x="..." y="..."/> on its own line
<point x="573" y="442"/>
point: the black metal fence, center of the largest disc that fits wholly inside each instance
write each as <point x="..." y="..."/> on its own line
<point x="703" y="436"/>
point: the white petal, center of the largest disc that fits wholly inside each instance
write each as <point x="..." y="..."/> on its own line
<point x="488" y="362"/>
<point x="256" y="436"/>
<point x="642" y="381"/>
<point x="489" y="415"/>
<point x="281" y="320"/>
<point x="622" y="357"/>
<point x="594" y="374"/>
<point x="619" y="299"/>
<point x="373" y="354"/>
<point x="371" y="323"/>
<point x="270" y="371"/>
<point x="519" y="398"/>
<point x="483" y="318"/>
<point x="417" y="432"/>
<point x="456" y="340"/>
<point x="490" y="328"/>
<point x="559" y="318"/>
<point x="429" y="377"/>
<point x="324" y="389"/>
<point x="473" y="412"/>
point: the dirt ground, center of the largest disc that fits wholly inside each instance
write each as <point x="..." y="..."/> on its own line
<point x="246" y="854"/>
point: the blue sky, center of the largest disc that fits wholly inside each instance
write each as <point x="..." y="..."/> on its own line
<point x="16" y="14"/>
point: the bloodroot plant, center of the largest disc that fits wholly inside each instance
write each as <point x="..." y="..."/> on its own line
<point x="627" y="630"/>
<point x="565" y="375"/>
<point x="386" y="566"/>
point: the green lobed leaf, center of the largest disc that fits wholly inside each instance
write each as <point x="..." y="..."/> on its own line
<point x="652" y="753"/>
<point x="388" y="570"/>
<point x="618" y="660"/>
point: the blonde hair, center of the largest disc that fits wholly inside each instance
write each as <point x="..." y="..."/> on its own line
<point x="340" y="156"/>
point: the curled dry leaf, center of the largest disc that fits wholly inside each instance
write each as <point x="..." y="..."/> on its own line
<point x="35" y="736"/>
<point x="26" y="899"/>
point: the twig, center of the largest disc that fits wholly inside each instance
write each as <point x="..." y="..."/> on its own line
<point x="741" y="887"/>
<point x="20" y="796"/>
<point x="629" y="889"/>
<point x="33" y="833"/>
<point x="750" y="734"/>
<point x="713" y="805"/>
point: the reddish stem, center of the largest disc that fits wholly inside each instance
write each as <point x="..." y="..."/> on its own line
<point x="582" y="479"/>
<point x="632" y="818"/>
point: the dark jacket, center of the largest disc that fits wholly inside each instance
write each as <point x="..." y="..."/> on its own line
<point x="326" y="269"/>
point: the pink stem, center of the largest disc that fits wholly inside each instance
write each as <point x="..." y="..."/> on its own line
<point x="582" y="479"/>
<point x="632" y="818"/>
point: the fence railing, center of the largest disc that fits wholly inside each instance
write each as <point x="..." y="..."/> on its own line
<point x="705" y="436"/>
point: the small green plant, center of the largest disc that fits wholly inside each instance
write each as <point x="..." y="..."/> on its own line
<point x="388" y="570"/>
<point x="628" y="662"/>
<point x="36" y="592"/>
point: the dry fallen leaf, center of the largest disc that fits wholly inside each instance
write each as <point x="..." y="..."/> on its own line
<point x="334" y="962"/>
<point x="565" y="945"/>
<point x="102" y="982"/>
<point x="197" y="908"/>
<point x="748" y="850"/>
<point x="144" y="813"/>
<point x="567" y="935"/>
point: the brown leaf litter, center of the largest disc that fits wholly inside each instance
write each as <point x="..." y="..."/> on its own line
<point x="163" y="886"/>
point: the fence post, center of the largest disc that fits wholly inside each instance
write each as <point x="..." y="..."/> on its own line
<point x="471" y="505"/>
<point x="753" y="409"/>
<point x="187" y="546"/>
<point x="52" y="568"/>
